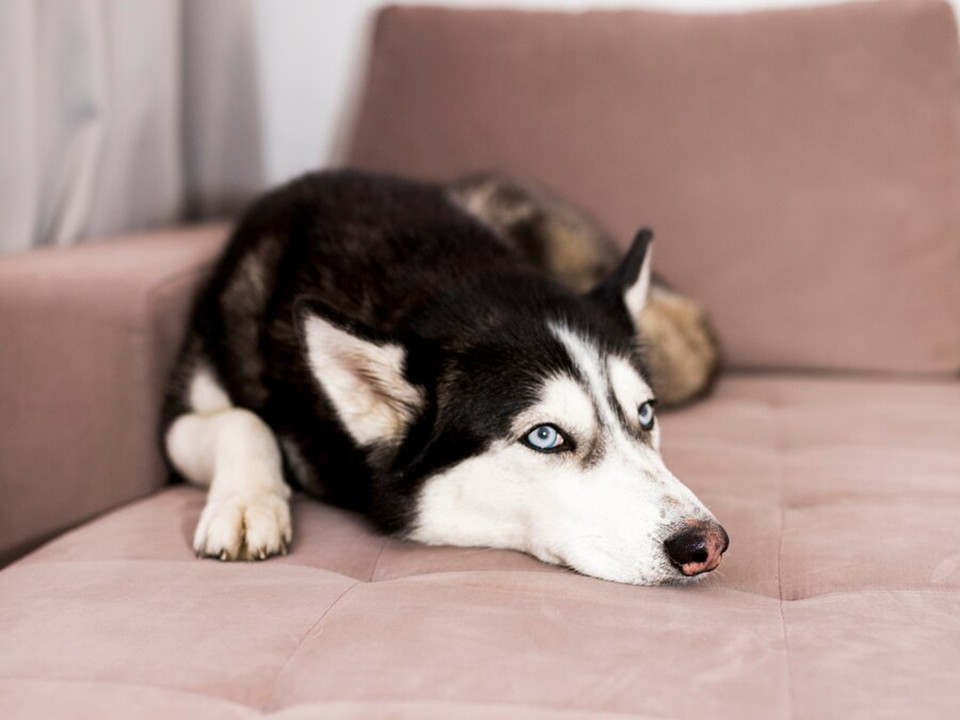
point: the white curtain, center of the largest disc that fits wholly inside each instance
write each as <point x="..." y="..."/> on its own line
<point x="120" y="115"/>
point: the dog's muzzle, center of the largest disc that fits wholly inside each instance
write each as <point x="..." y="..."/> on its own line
<point x="697" y="548"/>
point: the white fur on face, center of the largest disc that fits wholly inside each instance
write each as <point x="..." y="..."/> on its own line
<point x="565" y="404"/>
<point x="363" y="380"/>
<point x="604" y="509"/>
<point x="630" y="393"/>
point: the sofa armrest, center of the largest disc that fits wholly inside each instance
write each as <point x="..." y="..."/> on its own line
<point x="87" y="337"/>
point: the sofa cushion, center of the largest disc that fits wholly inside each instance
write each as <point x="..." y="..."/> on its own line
<point x="837" y="598"/>
<point x="801" y="168"/>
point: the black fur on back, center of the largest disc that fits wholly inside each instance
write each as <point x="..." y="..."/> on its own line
<point x="402" y="260"/>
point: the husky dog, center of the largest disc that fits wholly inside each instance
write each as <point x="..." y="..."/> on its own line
<point x="424" y="354"/>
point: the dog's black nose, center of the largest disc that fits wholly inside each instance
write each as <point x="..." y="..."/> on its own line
<point x="697" y="548"/>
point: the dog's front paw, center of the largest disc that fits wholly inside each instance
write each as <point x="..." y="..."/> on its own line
<point x="244" y="527"/>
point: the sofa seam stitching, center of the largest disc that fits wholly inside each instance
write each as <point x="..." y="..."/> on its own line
<point x="376" y="563"/>
<point x="791" y="695"/>
<point x="128" y="684"/>
<point x="266" y="713"/>
<point x="265" y="706"/>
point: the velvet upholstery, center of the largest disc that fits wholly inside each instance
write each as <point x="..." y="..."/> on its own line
<point x="799" y="167"/>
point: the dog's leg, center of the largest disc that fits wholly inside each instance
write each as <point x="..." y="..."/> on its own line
<point x="234" y="452"/>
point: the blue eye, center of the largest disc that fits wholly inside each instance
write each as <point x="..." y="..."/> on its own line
<point x="545" y="438"/>
<point x="646" y="415"/>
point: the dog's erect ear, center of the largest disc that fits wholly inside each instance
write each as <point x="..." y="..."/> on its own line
<point x="360" y="371"/>
<point x="628" y="285"/>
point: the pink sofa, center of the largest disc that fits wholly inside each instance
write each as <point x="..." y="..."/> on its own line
<point x="802" y="170"/>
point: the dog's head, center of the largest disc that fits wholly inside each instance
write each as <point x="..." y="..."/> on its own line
<point x="527" y="424"/>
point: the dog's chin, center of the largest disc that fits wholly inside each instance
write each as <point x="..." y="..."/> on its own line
<point x="678" y="579"/>
<point x="664" y="575"/>
<point x="671" y="577"/>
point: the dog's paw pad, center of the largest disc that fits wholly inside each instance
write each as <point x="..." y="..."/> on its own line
<point x="244" y="528"/>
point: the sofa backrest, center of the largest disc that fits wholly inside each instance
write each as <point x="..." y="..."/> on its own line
<point x="801" y="168"/>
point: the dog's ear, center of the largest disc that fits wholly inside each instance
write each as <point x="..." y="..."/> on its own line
<point x="627" y="287"/>
<point x="360" y="371"/>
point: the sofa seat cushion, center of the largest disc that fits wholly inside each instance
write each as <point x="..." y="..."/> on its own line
<point x="839" y="596"/>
